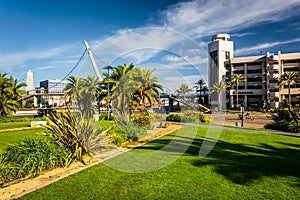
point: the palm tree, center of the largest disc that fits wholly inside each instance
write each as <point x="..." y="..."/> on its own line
<point x="15" y="88"/>
<point x="201" y="83"/>
<point x="10" y="93"/>
<point x="83" y="90"/>
<point x="237" y="78"/>
<point x="71" y="88"/>
<point x="184" y="88"/>
<point x="219" y="87"/>
<point x="149" y="89"/>
<point x="288" y="78"/>
<point x="117" y="73"/>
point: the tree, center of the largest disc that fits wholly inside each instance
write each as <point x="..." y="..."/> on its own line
<point x="288" y="78"/>
<point x="184" y="88"/>
<point x="117" y="73"/>
<point x="10" y="94"/>
<point x="201" y="84"/>
<point x="219" y="87"/>
<point x="237" y="78"/>
<point x="83" y="90"/>
<point x="71" y="88"/>
<point x="149" y="89"/>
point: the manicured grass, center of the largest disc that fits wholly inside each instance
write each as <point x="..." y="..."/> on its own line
<point x="242" y="165"/>
<point x="11" y="125"/>
<point x="11" y="137"/>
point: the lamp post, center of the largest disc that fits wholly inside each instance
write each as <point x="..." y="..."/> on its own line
<point x="108" y="67"/>
<point x="242" y="110"/>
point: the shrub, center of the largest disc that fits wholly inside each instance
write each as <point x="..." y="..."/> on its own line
<point x="65" y="133"/>
<point x="284" y="126"/>
<point x="193" y="117"/>
<point x="142" y="120"/>
<point x="174" y="118"/>
<point x="30" y="158"/>
<point x="128" y="134"/>
<point x="104" y="116"/>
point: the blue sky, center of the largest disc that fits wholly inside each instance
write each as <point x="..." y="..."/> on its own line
<point x="169" y="35"/>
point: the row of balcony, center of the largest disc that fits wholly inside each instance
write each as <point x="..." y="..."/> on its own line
<point x="274" y="76"/>
<point x="274" y="67"/>
<point x="274" y="94"/>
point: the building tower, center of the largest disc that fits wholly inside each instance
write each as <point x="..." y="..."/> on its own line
<point x="29" y="81"/>
<point x="220" y="52"/>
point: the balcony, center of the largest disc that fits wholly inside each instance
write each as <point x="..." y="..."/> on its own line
<point x="238" y="68"/>
<point x="274" y="94"/>
<point x="273" y="58"/>
<point x="273" y="85"/>
<point x="256" y="75"/>
<point x="274" y="76"/>
<point x="274" y="67"/>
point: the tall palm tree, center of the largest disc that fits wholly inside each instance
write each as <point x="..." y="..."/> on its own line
<point x="15" y="88"/>
<point x="288" y="78"/>
<point x="237" y="78"/>
<point x="219" y="87"/>
<point x="83" y="90"/>
<point x="10" y="93"/>
<point x="149" y="89"/>
<point x="117" y="73"/>
<point x="71" y="88"/>
<point x="184" y="88"/>
<point x="3" y="83"/>
<point x="201" y="83"/>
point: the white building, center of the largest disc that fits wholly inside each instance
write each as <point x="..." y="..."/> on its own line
<point x="261" y="73"/>
<point x="29" y="81"/>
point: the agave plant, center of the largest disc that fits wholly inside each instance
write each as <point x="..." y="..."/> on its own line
<point x="64" y="130"/>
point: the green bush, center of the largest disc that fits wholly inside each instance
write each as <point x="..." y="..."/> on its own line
<point x="128" y="134"/>
<point x="142" y="120"/>
<point x="173" y="118"/>
<point x="284" y="126"/>
<point x="30" y="157"/>
<point x="294" y="127"/>
<point x="104" y="116"/>
<point x="191" y="117"/>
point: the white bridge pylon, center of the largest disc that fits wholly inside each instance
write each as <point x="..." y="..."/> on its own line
<point x="92" y="59"/>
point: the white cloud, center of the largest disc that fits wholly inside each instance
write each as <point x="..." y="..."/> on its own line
<point x="7" y="61"/>
<point x="45" y="68"/>
<point x="242" y="34"/>
<point x="140" y="45"/>
<point x="200" y="18"/>
<point x="262" y="46"/>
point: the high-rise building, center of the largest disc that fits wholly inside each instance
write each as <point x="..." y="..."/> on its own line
<point x="220" y="51"/>
<point x="29" y="81"/>
<point x="261" y="74"/>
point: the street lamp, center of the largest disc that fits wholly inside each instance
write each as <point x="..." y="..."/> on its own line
<point x="108" y="67"/>
<point x="242" y="110"/>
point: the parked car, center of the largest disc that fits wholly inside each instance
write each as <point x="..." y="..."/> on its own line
<point x="44" y="111"/>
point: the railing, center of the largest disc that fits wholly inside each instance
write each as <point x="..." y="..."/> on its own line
<point x="274" y="67"/>
<point x="274" y="94"/>
<point x="274" y="76"/>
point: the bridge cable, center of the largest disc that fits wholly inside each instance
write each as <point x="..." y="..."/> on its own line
<point x="74" y="67"/>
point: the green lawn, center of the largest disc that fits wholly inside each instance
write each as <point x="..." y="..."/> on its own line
<point x="10" y="125"/>
<point x="11" y="137"/>
<point x="242" y="165"/>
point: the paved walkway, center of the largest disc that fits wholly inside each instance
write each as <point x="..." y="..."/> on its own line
<point x="224" y="127"/>
<point x="15" y="129"/>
